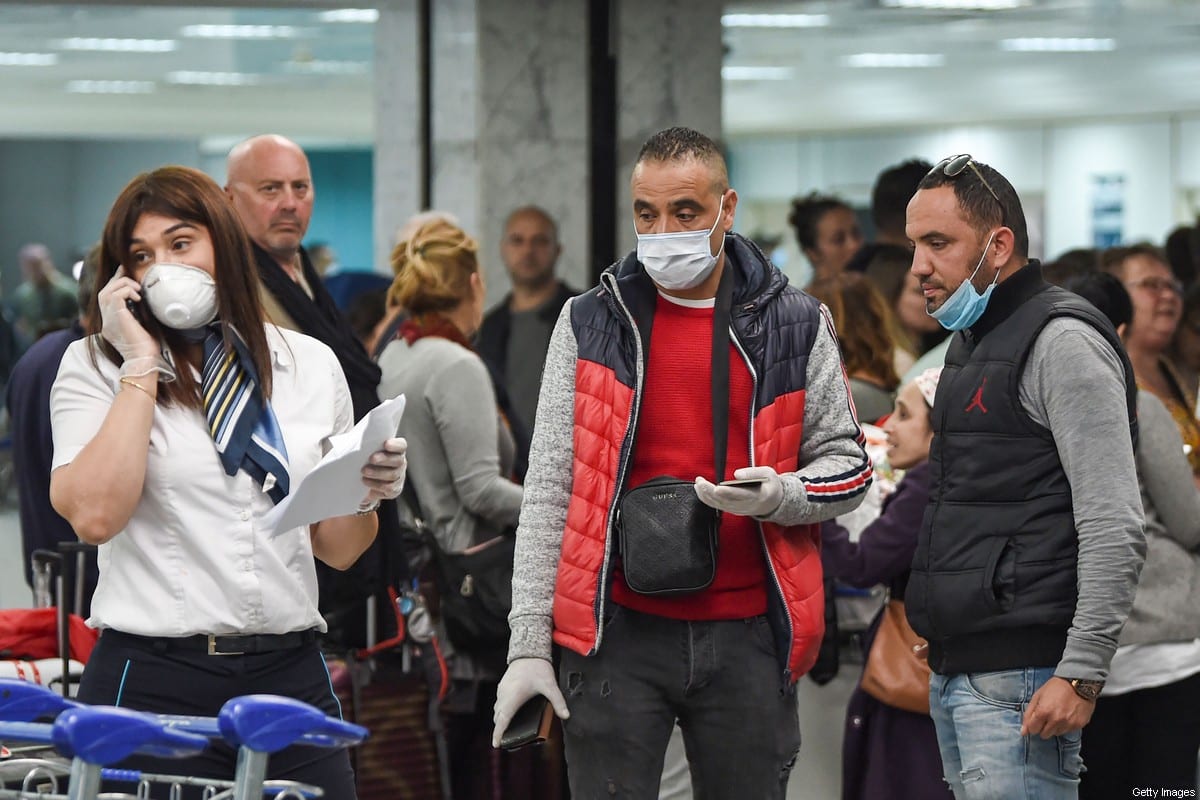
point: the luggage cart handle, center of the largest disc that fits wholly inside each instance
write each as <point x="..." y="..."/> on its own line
<point x="267" y="724"/>
<point x="30" y="732"/>
<point x="21" y="701"/>
<point x="106" y="735"/>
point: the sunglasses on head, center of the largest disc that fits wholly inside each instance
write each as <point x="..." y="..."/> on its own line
<point x="954" y="166"/>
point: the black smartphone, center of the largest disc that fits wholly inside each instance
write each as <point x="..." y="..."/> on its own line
<point x="530" y="725"/>
<point x="138" y="310"/>
<point x="747" y="483"/>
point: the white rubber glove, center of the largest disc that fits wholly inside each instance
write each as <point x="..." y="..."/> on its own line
<point x="383" y="474"/>
<point x="120" y="327"/>
<point x="141" y="352"/>
<point x="524" y="679"/>
<point x="747" y="501"/>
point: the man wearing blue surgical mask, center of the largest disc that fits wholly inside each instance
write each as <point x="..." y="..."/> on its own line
<point x="672" y="596"/>
<point x="1029" y="553"/>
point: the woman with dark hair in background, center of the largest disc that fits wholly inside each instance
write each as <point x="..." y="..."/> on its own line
<point x="1145" y="730"/>
<point x="863" y="323"/>
<point x="914" y="331"/>
<point x="1182" y="254"/>
<point x="828" y="233"/>
<point x="179" y="423"/>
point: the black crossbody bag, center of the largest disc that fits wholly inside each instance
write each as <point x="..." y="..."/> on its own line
<point x="667" y="537"/>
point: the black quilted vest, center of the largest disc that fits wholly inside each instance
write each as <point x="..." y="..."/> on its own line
<point x="993" y="583"/>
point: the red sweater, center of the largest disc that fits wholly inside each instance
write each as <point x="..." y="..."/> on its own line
<point x="674" y="437"/>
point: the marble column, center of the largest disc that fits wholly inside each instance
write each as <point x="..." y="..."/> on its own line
<point x="397" y="193"/>
<point x="510" y="122"/>
<point x="668" y="73"/>
<point x="510" y="112"/>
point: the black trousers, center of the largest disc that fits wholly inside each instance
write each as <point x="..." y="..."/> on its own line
<point x="135" y="673"/>
<point x="721" y="680"/>
<point x="1143" y="739"/>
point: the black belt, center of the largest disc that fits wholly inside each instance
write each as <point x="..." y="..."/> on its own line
<point x="221" y="644"/>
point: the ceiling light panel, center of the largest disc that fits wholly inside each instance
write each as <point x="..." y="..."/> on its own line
<point x="1058" y="45"/>
<point x="351" y="15"/>
<point x="319" y="67"/>
<point x="756" y="73"/>
<point x="110" y="87"/>
<point x="119" y="45"/>
<point x="775" y="20"/>
<point x="197" y="78"/>
<point x="895" y="60"/>
<point x="239" y="32"/>
<point x="28" y="59"/>
<point x="957" y="5"/>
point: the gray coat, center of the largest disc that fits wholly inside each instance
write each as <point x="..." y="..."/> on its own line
<point x="458" y="451"/>
<point x="1167" y="605"/>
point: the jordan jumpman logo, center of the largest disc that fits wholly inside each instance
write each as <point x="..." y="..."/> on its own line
<point x="977" y="401"/>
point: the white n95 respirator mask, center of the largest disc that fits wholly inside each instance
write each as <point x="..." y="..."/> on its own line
<point x="180" y="296"/>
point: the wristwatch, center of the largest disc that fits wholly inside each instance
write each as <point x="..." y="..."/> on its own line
<point x="1088" y="690"/>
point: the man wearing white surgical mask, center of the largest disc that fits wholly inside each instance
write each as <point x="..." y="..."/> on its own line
<point x="1028" y="556"/>
<point x="673" y="597"/>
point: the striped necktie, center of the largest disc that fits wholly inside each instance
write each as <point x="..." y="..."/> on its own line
<point x="241" y="422"/>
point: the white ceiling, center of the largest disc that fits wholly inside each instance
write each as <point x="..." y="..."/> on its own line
<point x="1154" y="69"/>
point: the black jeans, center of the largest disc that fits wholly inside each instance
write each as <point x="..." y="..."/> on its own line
<point x="721" y="680"/>
<point x="131" y="673"/>
<point x="1143" y="739"/>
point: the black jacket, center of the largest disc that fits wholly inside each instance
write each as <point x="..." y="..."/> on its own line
<point x="491" y="343"/>
<point x="319" y="318"/>
<point x="993" y="583"/>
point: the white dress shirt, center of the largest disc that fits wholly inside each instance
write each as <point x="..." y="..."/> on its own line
<point x="194" y="558"/>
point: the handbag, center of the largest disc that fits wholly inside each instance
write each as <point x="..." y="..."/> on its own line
<point x="474" y="586"/>
<point x="894" y="673"/>
<point x="669" y="539"/>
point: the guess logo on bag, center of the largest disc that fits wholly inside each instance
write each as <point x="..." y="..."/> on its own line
<point x="663" y="496"/>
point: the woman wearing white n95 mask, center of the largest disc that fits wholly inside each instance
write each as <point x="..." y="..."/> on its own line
<point x="178" y="424"/>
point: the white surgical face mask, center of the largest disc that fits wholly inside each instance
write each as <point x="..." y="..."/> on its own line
<point x="680" y="260"/>
<point x="180" y="296"/>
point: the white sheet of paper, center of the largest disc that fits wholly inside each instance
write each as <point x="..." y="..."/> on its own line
<point x="335" y="487"/>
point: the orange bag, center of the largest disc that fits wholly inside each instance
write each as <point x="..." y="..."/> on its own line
<point x="894" y="673"/>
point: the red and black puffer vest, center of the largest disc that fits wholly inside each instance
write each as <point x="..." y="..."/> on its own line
<point x="774" y="327"/>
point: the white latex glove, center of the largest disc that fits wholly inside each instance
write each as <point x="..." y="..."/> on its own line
<point x="119" y="326"/>
<point x="748" y="501"/>
<point x="383" y="474"/>
<point x="524" y="679"/>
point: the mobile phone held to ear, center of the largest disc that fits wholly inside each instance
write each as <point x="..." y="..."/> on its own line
<point x="530" y="725"/>
<point x="138" y="310"/>
<point x="745" y="483"/>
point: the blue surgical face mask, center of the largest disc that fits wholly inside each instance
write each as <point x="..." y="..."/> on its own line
<point x="965" y="306"/>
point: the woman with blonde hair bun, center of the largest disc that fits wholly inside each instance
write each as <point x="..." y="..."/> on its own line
<point x="462" y="453"/>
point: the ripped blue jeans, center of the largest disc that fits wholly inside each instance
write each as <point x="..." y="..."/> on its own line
<point x="721" y="680"/>
<point x="978" y="720"/>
